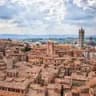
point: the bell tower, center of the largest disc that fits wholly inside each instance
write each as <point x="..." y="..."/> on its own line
<point x="81" y="37"/>
<point x="50" y="48"/>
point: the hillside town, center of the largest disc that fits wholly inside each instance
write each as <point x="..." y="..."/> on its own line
<point x="49" y="69"/>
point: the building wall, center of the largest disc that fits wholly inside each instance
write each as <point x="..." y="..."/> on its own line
<point x="50" y="48"/>
<point x="7" y="93"/>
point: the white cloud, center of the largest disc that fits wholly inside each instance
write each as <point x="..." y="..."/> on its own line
<point x="2" y="2"/>
<point x="56" y="9"/>
<point x="48" y="10"/>
<point x="41" y="17"/>
<point x="39" y="29"/>
<point x="92" y="3"/>
<point x="85" y="4"/>
<point x="9" y="27"/>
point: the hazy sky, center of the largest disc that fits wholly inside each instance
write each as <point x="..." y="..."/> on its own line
<point x="47" y="16"/>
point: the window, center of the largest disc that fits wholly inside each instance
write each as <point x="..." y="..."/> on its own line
<point x="22" y="91"/>
<point x="0" y="88"/>
<point x="9" y="89"/>
<point x="17" y="90"/>
<point x="13" y="90"/>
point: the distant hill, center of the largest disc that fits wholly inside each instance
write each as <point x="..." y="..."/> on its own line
<point x="15" y="36"/>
